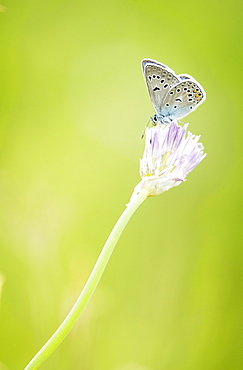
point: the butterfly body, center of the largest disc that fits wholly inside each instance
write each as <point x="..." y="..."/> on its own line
<point x="173" y="96"/>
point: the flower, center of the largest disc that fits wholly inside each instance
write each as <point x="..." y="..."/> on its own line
<point x="170" y="154"/>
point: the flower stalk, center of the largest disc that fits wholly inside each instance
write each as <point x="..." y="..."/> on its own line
<point x="91" y="284"/>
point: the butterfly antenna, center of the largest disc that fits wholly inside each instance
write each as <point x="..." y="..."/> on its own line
<point x="145" y="129"/>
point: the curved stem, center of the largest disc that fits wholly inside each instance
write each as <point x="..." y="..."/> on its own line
<point x="90" y="285"/>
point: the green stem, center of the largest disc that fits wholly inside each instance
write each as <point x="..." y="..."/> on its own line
<point x="91" y="284"/>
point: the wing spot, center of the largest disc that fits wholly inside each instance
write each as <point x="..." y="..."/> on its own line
<point x="150" y="78"/>
<point x="189" y="95"/>
<point x="178" y="90"/>
<point x="190" y="107"/>
<point x="172" y="92"/>
<point x="154" y="76"/>
<point x="175" y="106"/>
<point x="189" y="99"/>
<point x="167" y="104"/>
<point x="185" y="89"/>
<point x="165" y="86"/>
<point x="179" y="99"/>
<point x="162" y="81"/>
<point x="156" y="88"/>
<point x="158" y="77"/>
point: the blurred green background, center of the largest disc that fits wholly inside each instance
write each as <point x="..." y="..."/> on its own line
<point x="73" y="108"/>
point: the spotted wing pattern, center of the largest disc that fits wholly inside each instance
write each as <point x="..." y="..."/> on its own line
<point x="159" y="79"/>
<point x="182" y="99"/>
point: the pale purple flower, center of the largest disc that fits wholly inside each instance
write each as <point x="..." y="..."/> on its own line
<point x="170" y="154"/>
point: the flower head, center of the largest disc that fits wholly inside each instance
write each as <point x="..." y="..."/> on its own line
<point x="170" y="154"/>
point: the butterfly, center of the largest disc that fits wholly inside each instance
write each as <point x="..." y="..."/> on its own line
<point x="173" y="96"/>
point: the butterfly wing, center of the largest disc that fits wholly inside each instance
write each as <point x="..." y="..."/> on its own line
<point x="159" y="79"/>
<point x="182" y="98"/>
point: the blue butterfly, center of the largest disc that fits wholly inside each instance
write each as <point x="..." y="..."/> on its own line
<point x="173" y="96"/>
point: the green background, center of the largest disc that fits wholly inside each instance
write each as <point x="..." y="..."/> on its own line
<point x="73" y="108"/>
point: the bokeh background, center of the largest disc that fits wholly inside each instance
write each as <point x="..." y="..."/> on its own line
<point x="73" y="108"/>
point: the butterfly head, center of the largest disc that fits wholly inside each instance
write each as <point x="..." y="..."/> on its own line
<point x="156" y="119"/>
